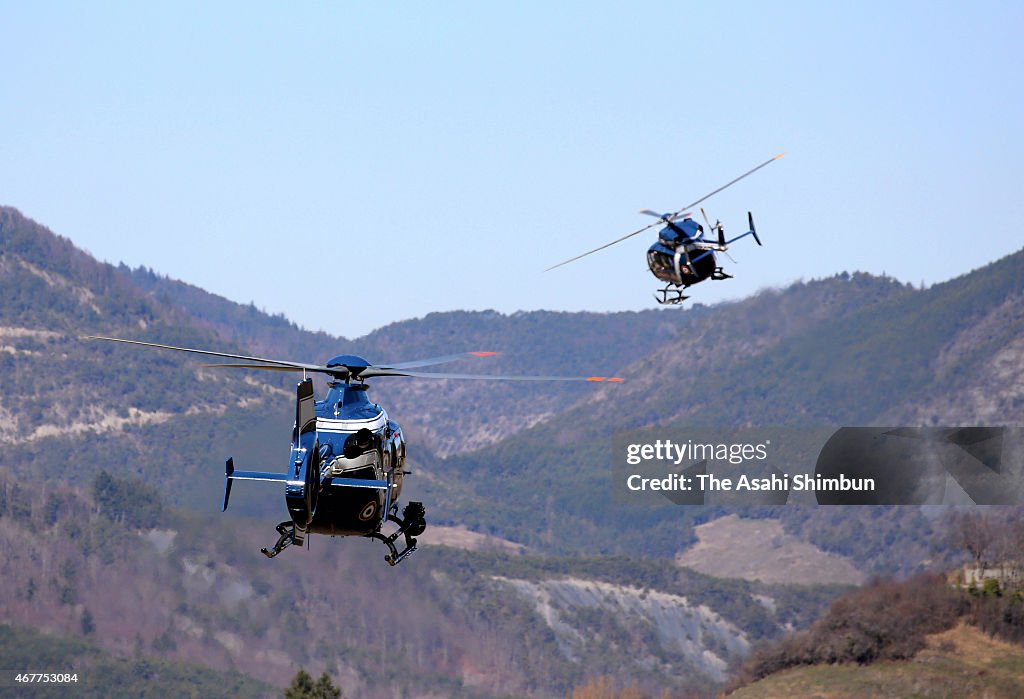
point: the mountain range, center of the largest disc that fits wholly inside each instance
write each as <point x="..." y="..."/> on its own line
<point x="560" y="578"/>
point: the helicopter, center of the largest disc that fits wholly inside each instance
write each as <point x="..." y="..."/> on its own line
<point x="682" y="256"/>
<point x="347" y="462"/>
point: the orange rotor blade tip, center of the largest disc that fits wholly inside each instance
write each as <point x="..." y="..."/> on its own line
<point x="616" y="379"/>
<point x="483" y="354"/>
<point x="778" y="156"/>
<point x="595" y="378"/>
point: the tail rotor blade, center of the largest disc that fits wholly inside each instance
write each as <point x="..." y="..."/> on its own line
<point x="717" y="228"/>
<point x="706" y="221"/>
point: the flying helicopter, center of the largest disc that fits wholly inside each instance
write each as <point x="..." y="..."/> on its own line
<point x="347" y="462"/>
<point x="682" y="256"/>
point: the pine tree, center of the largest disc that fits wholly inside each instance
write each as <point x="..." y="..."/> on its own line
<point x="303" y="687"/>
<point x="325" y="689"/>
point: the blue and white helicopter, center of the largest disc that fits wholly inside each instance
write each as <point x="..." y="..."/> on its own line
<point x="682" y="256"/>
<point x="347" y="463"/>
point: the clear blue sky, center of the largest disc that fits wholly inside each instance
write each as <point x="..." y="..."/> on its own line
<point x="352" y="164"/>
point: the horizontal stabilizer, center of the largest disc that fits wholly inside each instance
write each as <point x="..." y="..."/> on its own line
<point x="230" y="474"/>
<point x="357" y="483"/>
<point x="258" y="476"/>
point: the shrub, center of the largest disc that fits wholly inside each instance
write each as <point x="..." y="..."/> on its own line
<point x="884" y="620"/>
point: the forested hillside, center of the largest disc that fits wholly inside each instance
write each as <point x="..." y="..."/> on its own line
<point x="852" y="350"/>
<point x="111" y="474"/>
<point x="930" y="635"/>
<point x="112" y="565"/>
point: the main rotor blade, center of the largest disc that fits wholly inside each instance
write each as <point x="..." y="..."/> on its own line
<point x="436" y="360"/>
<point x="381" y="371"/>
<point x="670" y="216"/>
<point x="663" y="217"/>
<point x="262" y="367"/>
<point x="730" y="183"/>
<point x="659" y="222"/>
<point x="368" y="372"/>
<point x="277" y="362"/>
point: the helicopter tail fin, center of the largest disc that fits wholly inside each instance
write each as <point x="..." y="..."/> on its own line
<point x="230" y="474"/>
<point x="752" y="231"/>
<point x="305" y="409"/>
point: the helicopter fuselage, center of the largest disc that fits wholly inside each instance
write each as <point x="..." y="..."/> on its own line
<point x="355" y="439"/>
<point x="682" y="256"/>
<point x="679" y="258"/>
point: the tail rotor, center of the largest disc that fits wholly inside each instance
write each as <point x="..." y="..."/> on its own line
<point x="717" y="228"/>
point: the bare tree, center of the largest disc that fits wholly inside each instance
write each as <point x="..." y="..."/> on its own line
<point x="975" y="533"/>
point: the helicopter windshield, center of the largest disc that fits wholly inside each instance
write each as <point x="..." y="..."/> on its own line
<point x="661" y="265"/>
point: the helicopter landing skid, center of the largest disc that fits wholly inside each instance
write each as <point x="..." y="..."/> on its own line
<point x="670" y="296"/>
<point x="289" y="535"/>
<point x="410" y="525"/>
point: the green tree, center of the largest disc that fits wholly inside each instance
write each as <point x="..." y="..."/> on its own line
<point x="325" y="689"/>
<point x="88" y="625"/>
<point x="127" y="500"/>
<point x="303" y="687"/>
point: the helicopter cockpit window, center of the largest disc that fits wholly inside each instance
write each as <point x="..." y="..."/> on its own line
<point x="660" y="264"/>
